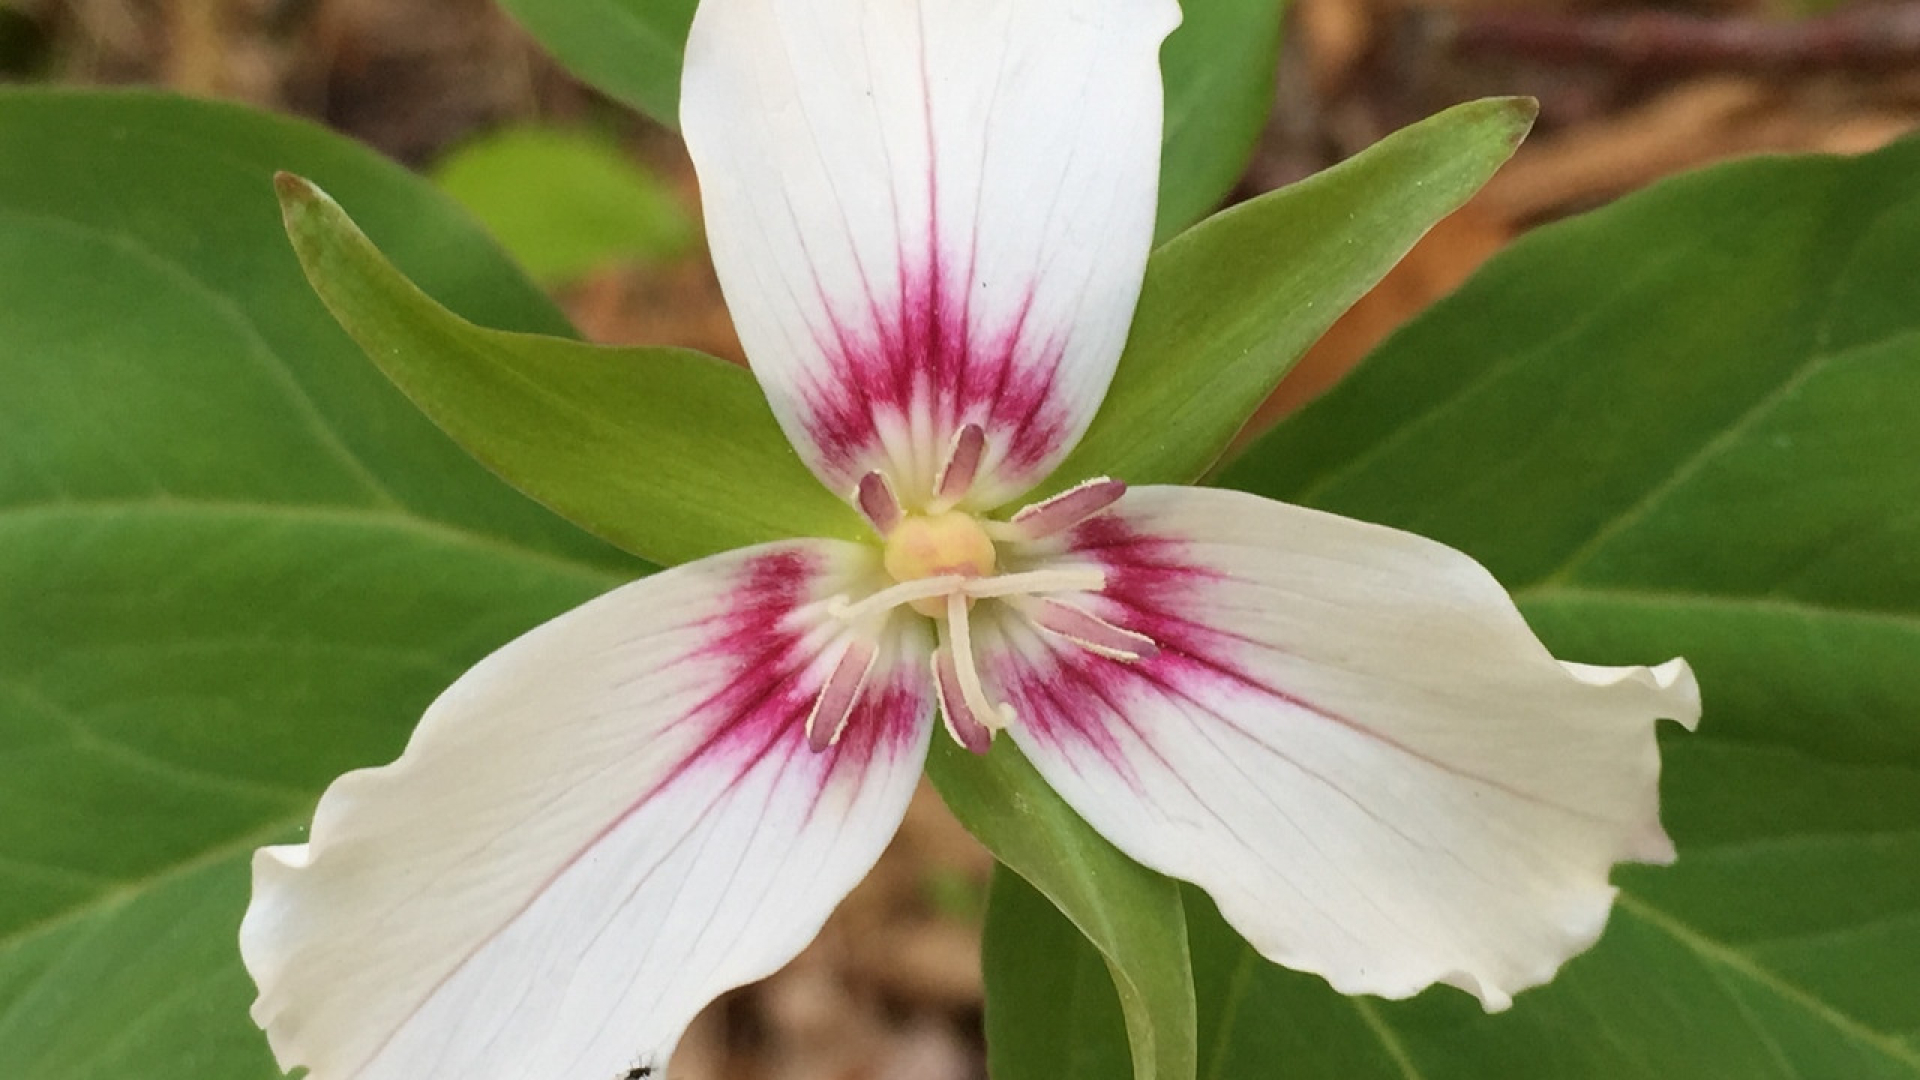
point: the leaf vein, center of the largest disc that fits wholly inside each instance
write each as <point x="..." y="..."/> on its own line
<point x="1714" y="952"/>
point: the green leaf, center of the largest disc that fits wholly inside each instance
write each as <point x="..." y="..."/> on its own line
<point x="630" y="49"/>
<point x="666" y="452"/>
<point x="1680" y="425"/>
<point x="1219" y="78"/>
<point x="565" y="202"/>
<point x="1231" y="304"/>
<point x="1219" y="68"/>
<point x="1129" y="914"/>
<point x="1052" y="1010"/>
<point x="233" y="560"/>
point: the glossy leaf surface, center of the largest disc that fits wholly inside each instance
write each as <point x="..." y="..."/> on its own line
<point x="630" y="49"/>
<point x="234" y="562"/>
<point x="1219" y="68"/>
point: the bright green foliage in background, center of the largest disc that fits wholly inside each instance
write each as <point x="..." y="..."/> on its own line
<point x="1218" y="67"/>
<point x="628" y="48"/>
<point x="1685" y="425"/>
<point x="566" y="202"/>
<point x="234" y="561"/>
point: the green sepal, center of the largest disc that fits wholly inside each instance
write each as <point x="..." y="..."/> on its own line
<point x="1231" y="304"/>
<point x="667" y="453"/>
<point x="1130" y="914"/>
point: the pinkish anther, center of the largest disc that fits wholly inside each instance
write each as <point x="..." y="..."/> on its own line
<point x="962" y="724"/>
<point x="840" y="694"/>
<point x="963" y="464"/>
<point x="1065" y="510"/>
<point x="1087" y="630"/>
<point x="877" y="502"/>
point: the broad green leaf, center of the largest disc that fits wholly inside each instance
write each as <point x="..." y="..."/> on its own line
<point x="233" y="560"/>
<point x="1219" y="68"/>
<point x="666" y="452"/>
<point x="564" y="202"/>
<point x="1681" y="425"/>
<point x="1219" y="74"/>
<point x="1130" y="915"/>
<point x="630" y="49"/>
<point x="1052" y="1008"/>
<point x="1229" y="305"/>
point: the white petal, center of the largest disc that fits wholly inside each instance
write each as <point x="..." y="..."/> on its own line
<point x="927" y="213"/>
<point x="1350" y="738"/>
<point x="592" y="834"/>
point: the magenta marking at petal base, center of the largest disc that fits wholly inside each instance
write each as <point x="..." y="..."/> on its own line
<point x="771" y="685"/>
<point x="1069" y="508"/>
<point x="1077" y="695"/>
<point x="930" y="359"/>
<point x="757" y="719"/>
<point x="1071" y="695"/>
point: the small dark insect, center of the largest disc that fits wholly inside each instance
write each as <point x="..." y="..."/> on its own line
<point x="638" y="1072"/>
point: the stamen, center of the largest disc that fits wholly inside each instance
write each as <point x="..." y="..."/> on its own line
<point x="892" y="597"/>
<point x="1085" y="629"/>
<point x="963" y="464"/>
<point x="960" y="648"/>
<point x="1059" y="579"/>
<point x="877" y="502"/>
<point x="840" y="694"/>
<point x="962" y="724"/>
<point x="1065" y="510"/>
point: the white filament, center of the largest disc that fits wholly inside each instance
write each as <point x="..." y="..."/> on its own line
<point x="1058" y="579"/>
<point x="840" y="607"/>
<point x="996" y="716"/>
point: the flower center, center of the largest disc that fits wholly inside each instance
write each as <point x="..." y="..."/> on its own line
<point x="950" y="544"/>
<point x="942" y="560"/>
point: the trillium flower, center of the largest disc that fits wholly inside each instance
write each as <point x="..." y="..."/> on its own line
<point x="931" y="220"/>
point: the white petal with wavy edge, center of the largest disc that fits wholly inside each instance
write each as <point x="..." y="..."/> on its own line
<point x="927" y="213"/>
<point x="1349" y="738"/>
<point x="593" y="833"/>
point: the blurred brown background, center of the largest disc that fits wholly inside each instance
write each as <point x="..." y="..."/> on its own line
<point x="1629" y="93"/>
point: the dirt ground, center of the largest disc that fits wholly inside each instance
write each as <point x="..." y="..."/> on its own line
<point x="1629" y="93"/>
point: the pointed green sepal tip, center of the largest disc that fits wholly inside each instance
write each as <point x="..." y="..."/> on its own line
<point x="305" y="209"/>
<point x="295" y="192"/>
<point x="1521" y="112"/>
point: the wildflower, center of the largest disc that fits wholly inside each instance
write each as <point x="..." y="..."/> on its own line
<point x="931" y="220"/>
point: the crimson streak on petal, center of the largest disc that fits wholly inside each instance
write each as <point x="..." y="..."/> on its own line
<point x="919" y="363"/>
<point x="1062" y="693"/>
<point x="775" y="673"/>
